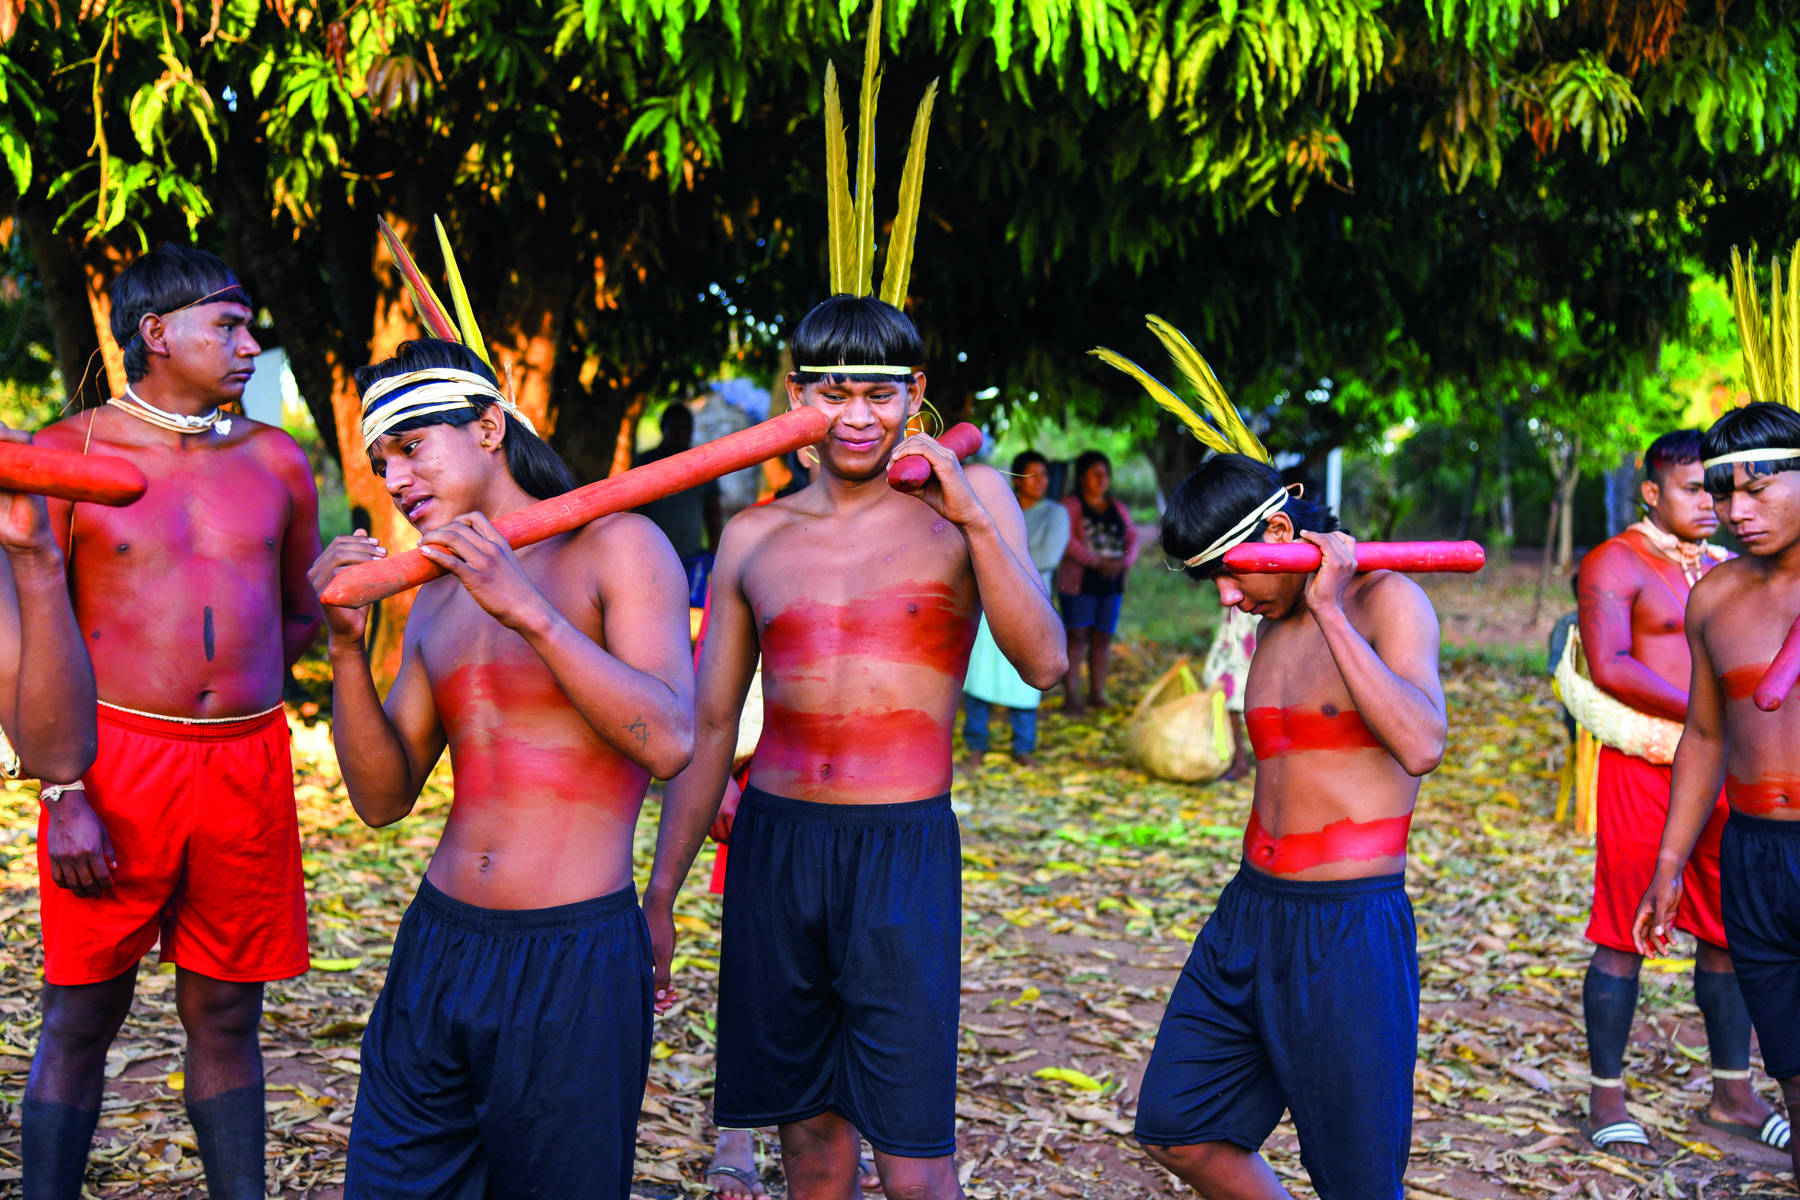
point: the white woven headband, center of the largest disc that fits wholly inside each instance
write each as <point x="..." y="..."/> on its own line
<point x="441" y="389"/>
<point x="1737" y="456"/>
<point x="1240" y="533"/>
<point x="856" y="370"/>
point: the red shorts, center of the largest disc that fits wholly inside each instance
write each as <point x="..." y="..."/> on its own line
<point x="202" y="821"/>
<point x="1632" y="802"/>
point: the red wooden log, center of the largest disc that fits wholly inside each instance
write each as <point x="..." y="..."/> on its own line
<point x="67" y="475"/>
<point x="365" y="583"/>
<point x="911" y="473"/>
<point x="1297" y="558"/>
<point x="1782" y="674"/>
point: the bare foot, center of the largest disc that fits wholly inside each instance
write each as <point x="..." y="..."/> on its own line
<point x="1099" y="702"/>
<point x="1606" y="1106"/>
<point x="1240" y="767"/>
<point x="732" y="1174"/>
<point x="1074" y="708"/>
<point x="1028" y="762"/>
<point x="1735" y="1102"/>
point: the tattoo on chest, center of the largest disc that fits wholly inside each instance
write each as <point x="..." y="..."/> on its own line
<point x="640" y="731"/>
<point x="207" y="634"/>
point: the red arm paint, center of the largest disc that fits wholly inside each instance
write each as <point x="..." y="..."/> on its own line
<point x="1278" y="732"/>
<point x="1340" y="841"/>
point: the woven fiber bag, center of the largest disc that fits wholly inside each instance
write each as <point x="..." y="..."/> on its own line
<point x="1612" y="722"/>
<point x="1180" y="730"/>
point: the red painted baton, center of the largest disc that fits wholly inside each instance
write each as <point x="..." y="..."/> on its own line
<point x="368" y="582"/>
<point x="67" y="475"/>
<point x="911" y="473"/>
<point x="1782" y="674"/>
<point x="1297" y="558"/>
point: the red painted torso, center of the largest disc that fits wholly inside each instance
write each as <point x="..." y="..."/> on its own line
<point x="179" y="595"/>
<point x="865" y="630"/>
<point x="1749" y="617"/>
<point x="1331" y="802"/>
<point x="544" y="810"/>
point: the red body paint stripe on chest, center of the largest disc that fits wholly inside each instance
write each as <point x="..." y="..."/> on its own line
<point x="1760" y="797"/>
<point x="1740" y="682"/>
<point x="487" y="710"/>
<point x="921" y="623"/>
<point x="1340" y="841"/>
<point x="1275" y="732"/>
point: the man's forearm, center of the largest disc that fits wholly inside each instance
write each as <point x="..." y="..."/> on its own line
<point x="377" y="772"/>
<point x="56" y="738"/>
<point x="1025" y="627"/>
<point x="1401" y="716"/>
<point x="690" y="803"/>
<point x="1698" y="774"/>
<point x="634" y="712"/>
<point x="1632" y="683"/>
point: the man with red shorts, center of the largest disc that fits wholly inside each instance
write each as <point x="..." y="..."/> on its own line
<point x="1633" y="597"/>
<point x="194" y="602"/>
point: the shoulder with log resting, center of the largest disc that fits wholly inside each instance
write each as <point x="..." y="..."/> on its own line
<point x="1391" y="596"/>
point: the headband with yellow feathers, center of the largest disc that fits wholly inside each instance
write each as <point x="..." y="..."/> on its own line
<point x="397" y="398"/>
<point x="1771" y="357"/>
<point x="1226" y="433"/>
<point x="851" y="221"/>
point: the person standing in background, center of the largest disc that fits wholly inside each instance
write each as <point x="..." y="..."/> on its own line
<point x="691" y="520"/>
<point x="991" y="679"/>
<point x="1090" y="583"/>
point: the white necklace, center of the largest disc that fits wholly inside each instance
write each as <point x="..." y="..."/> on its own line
<point x="147" y="412"/>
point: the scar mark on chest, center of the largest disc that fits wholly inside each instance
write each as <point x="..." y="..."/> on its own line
<point x="207" y="634"/>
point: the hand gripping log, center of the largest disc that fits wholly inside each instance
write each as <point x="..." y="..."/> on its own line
<point x="1297" y="558"/>
<point x="89" y="478"/>
<point x="912" y="473"/>
<point x="366" y="583"/>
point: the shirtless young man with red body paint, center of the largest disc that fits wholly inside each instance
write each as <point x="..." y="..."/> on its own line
<point x="508" y="1051"/>
<point x="1302" y="990"/>
<point x="840" y="963"/>
<point x="46" y="679"/>
<point x="195" y="604"/>
<point x="1737" y="618"/>
<point x="1633" y="592"/>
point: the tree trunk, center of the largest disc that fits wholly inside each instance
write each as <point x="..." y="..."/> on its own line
<point x="1543" y="586"/>
<point x="1506" y="493"/>
<point x="60" y="270"/>
<point x="530" y="308"/>
<point x="625" y="448"/>
<point x="1465" y="522"/>
<point x="101" y="264"/>
<point x="1565" y="547"/>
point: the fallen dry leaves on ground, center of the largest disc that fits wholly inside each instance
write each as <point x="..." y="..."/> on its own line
<point x="1084" y="885"/>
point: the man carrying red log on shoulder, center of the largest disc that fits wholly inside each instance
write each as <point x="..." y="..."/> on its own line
<point x="1633" y="596"/>
<point x="195" y="603"/>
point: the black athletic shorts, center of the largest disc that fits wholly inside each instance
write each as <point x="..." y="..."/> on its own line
<point x="507" y="1054"/>
<point x="1301" y="996"/>
<point x="840" y="969"/>
<point x="1759" y="893"/>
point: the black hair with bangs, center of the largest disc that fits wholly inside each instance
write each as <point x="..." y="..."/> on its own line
<point x="855" y="330"/>
<point x="1024" y="458"/>
<point x="534" y="466"/>
<point x="1677" y="448"/>
<point x="1226" y="489"/>
<point x="1756" y="426"/>
<point x="163" y="282"/>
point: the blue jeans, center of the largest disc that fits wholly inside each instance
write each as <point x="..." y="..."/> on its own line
<point x="977" y="714"/>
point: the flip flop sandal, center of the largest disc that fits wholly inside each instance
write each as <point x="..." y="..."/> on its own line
<point x="1620" y="1133"/>
<point x="749" y="1179"/>
<point x="1774" y="1132"/>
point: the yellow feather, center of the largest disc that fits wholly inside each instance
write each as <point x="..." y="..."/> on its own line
<point x="1208" y="436"/>
<point x="838" y="212"/>
<point x="1777" y="335"/>
<point x="863" y="250"/>
<point x="1791" y="397"/>
<point x="459" y="296"/>
<point x="1750" y="329"/>
<point x="1200" y="376"/>
<point x="898" y="267"/>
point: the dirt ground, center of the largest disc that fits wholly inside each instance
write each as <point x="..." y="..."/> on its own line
<point x="1083" y="886"/>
